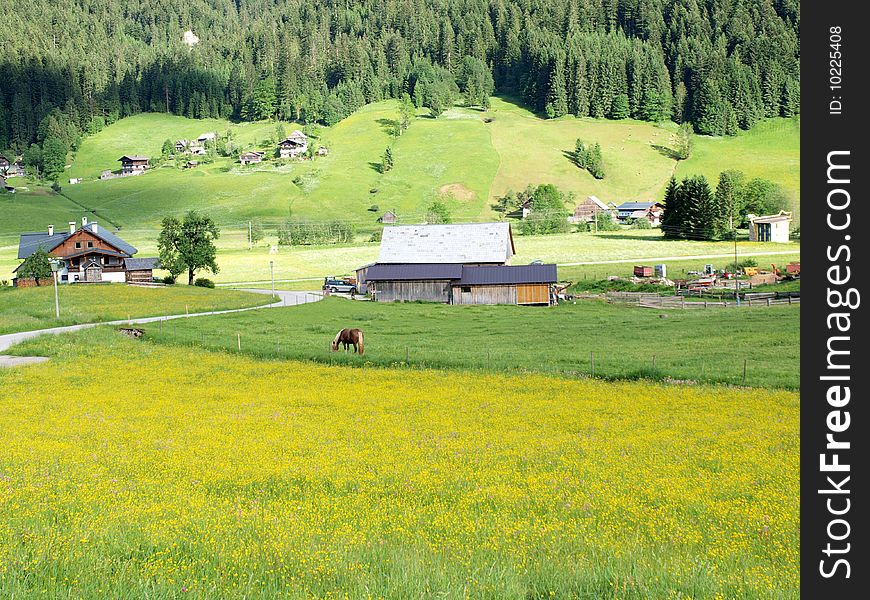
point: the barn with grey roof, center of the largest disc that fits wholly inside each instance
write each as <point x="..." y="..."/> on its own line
<point x="454" y="264"/>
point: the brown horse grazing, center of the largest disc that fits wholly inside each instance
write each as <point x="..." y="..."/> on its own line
<point x="349" y="337"/>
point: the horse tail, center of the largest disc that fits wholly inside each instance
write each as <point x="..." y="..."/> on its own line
<point x="361" y="345"/>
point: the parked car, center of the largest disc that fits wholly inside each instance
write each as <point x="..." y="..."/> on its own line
<point x="339" y="285"/>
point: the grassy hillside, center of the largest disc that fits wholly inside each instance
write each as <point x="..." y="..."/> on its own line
<point x="771" y="150"/>
<point x="466" y="156"/>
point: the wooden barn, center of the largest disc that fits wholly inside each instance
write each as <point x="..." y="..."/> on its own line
<point x="430" y="282"/>
<point x="252" y="157"/>
<point x="140" y="270"/>
<point x="460" y="284"/>
<point x="462" y="243"/>
<point x="454" y="264"/>
<point x="588" y="209"/>
<point x="503" y="284"/>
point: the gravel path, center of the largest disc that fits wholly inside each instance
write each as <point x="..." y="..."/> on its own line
<point x="10" y="339"/>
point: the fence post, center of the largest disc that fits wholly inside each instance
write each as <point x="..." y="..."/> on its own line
<point x="705" y="304"/>
<point x="592" y="362"/>
<point x="407" y="354"/>
<point x="768" y="301"/>
<point x="654" y="362"/>
<point x="239" y="341"/>
<point x="789" y="298"/>
<point x="744" y="371"/>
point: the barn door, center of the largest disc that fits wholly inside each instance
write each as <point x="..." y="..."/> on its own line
<point x="532" y="294"/>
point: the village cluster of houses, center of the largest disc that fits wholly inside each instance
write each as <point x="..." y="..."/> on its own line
<point x="587" y="211"/>
<point x="294" y="145"/>
<point x="86" y="254"/>
<point x="10" y="168"/>
<point x="764" y="228"/>
<point x="465" y="263"/>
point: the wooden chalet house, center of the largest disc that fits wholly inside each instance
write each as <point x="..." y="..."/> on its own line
<point x="133" y="164"/>
<point x="630" y="211"/>
<point x="454" y="264"/>
<point x="252" y="157"/>
<point x="189" y="147"/>
<point x="11" y="167"/>
<point x="294" y="146"/>
<point x="89" y="254"/>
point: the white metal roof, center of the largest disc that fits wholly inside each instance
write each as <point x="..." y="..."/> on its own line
<point x="598" y="202"/>
<point x="455" y="243"/>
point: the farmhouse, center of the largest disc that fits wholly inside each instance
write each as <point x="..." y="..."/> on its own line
<point x="769" y="228"/>
<point x="295" y="145"/>
<point x="88" y="254"/>
<point x="16" y="169"/>
<point x="588" y="210"/>
<point x="209" y="136"/>
<point x="4" y="164"/>
<point x="189" y="147"/>
<point x="651" y="211"/>
<point x="133" y="164"/>
<point x="252" y="157"/>
<point x="454" y="264"/>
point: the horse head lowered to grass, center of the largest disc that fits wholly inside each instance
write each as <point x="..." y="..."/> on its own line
<point x="349" y="337"/>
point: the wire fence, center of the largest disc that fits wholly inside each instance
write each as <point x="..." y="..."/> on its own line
<point x="669" y="365"/>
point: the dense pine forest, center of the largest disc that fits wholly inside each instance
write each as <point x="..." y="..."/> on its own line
<point x="70" y="68"/>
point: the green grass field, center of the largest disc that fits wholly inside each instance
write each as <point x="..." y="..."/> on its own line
<point x="700" y="345"/>
<point x="26" y="309"/>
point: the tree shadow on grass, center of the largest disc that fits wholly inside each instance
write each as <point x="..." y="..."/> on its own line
<point x="390" y="126"/>
<point x="666" y="152"/>
<point x="571" y="155"/>
<point x="377" y="167"/>
<point x="643" y="238"/>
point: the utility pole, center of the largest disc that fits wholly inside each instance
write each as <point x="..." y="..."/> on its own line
<point x="736" y="281"/>
<point x="56" y="266"/>
<point x="272" y="269"/>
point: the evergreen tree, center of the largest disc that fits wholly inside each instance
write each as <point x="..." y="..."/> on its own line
<point x="387" y="160"/>
<point x="620" y="109"/>
<point x="53" y="157"/>
<point x="673" y="215"/>
<point x="557" y="97"/>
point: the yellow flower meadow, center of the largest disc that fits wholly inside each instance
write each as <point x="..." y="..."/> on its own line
<point x="130" y="470"/>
